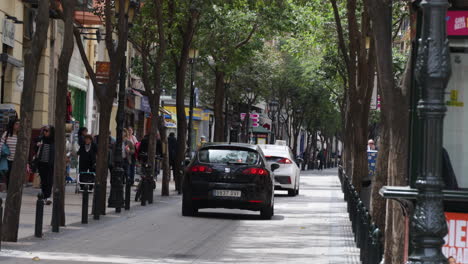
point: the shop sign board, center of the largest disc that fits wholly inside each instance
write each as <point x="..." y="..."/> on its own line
<point x="102" y="71"/>
<point x="457" y="23"/>
<point x="456" y="244"/>
<point x="145" y="106"/>
<point x="8" y="33"/>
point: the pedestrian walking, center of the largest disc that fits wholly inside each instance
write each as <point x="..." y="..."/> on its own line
<point x="131" y="135"/>
<point x="82" y="132"/>
<point x="10" y="138"/>
<point x="128" y="150"/>
<point x="371" y="145"/>
<point x="321" y="159"/>
<point x="87" y="153"/>
<point x="132" y="167"/>
<point x="172" y="145"/>
<point x="202" y="141"/>
<point x="45" y="149"/>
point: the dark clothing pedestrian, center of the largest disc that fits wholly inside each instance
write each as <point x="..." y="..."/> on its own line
<point x="81" y="136"/>
<point x="87" y="155"/>
<point x="321" y="158"/>
<point x="45" y="149"/>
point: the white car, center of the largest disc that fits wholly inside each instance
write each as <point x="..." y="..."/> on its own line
<point x="287" y="176"/>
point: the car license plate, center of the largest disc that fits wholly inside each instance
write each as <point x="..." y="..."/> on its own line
<point x="227" y="193"/>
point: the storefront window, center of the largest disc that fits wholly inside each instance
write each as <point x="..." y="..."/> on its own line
<point x="456" y="120"/>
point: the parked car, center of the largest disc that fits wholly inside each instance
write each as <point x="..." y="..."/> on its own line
<point x="287" y="176"/>
<point x="234" y="176"/>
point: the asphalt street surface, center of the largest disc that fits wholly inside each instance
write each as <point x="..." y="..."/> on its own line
<point x="310" y="228"/>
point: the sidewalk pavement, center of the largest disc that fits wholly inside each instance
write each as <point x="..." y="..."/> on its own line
<point x="73" y="206"/>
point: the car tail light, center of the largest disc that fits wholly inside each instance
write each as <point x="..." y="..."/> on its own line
<point x="285" y="161"/>
<point x="201" y="168"/>
<point x="255" y="171"/>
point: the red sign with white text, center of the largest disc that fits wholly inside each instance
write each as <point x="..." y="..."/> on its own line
<point x="457" y="23"/>
<point x="456" y="243"/>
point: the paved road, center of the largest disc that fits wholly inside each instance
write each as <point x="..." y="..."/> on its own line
<point x="310" y="228"/>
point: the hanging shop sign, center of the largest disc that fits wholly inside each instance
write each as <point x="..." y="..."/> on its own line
<point x="145" y="106"/>
<point x="102" y="71"/>
<point x="8" y="33"/>
<point x="457" y="23"/>
<point x="456" y="244"/>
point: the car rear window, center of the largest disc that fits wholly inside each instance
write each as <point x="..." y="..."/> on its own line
<point x="235" y="156"/>
<point x="273" y="158"/>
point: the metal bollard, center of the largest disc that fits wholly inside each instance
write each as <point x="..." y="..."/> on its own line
<point x="364" y="234"/>
<point x="39" y="215"/>
<point x="128" y="190"/>
<point x="377" y="247"/>
<point x="96" y="207"/>
<point x="84" y="205"/>
<point x="56" y="212"/>
<point x="1" y="221"/>
<point x="358" y="224"/>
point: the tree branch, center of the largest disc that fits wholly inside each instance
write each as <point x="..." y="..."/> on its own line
<point x="247" y="39"/>
<point x="339" y="30"/>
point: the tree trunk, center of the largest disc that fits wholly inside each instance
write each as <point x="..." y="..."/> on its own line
<point x="61" y="104"/>
<point x="103" y="148"/>
<point x="378" y="203"/>
<point x="359" y="149"/>
<point x="181" y="124"/>
<point x="165" y="161"/>
<point x="32" y="60"/>
<point x="153" y="131"/>
<point x="218" y="106"/>
<point x="395" y="104"/>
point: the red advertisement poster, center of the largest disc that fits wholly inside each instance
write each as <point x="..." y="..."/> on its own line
<point x="457" y="23"/>
<point x="456" y="244"/>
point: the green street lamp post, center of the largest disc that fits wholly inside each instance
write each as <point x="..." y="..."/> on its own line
<point x="273" y="109"/>
<point x="193" y="54"/>
<point x="428" y="225"/>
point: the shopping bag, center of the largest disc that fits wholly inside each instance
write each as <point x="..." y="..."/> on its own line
<point x="36" y="181"/>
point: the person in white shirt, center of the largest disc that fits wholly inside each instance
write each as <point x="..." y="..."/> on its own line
<point x="371" y="145"/>
<point x="10" y="138"/>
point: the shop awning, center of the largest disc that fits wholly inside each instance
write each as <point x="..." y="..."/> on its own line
<point x="259" y="130"/>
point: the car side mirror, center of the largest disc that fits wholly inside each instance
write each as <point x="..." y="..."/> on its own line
<point x="274" y="166"/>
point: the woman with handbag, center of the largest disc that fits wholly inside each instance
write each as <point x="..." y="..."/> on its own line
<point x="45" y="160"/>
<point x="8" y="146"/>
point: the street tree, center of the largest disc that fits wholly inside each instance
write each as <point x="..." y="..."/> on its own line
<point x="68" y="7"/>
<point x="393" y="146"/>
<point x="116" y="36"/>
<point x="32" y="59"/>
<point x="230" y="32"/>
<point x="358" y="54"/>
<point x="183" y="18"/>
<point x="149" y="38"/>
<point x="252" y="83"/>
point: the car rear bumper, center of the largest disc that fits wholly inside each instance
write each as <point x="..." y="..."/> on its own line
<point x="253" y="197"/>
<point x="284" y="182"/>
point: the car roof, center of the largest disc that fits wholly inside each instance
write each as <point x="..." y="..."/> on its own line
<point x="273" y="147"/>
<point x="275" y="150"/>
<point x="234" y="144"/>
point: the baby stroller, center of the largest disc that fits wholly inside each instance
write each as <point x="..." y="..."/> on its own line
<point x="85" y="178"/>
